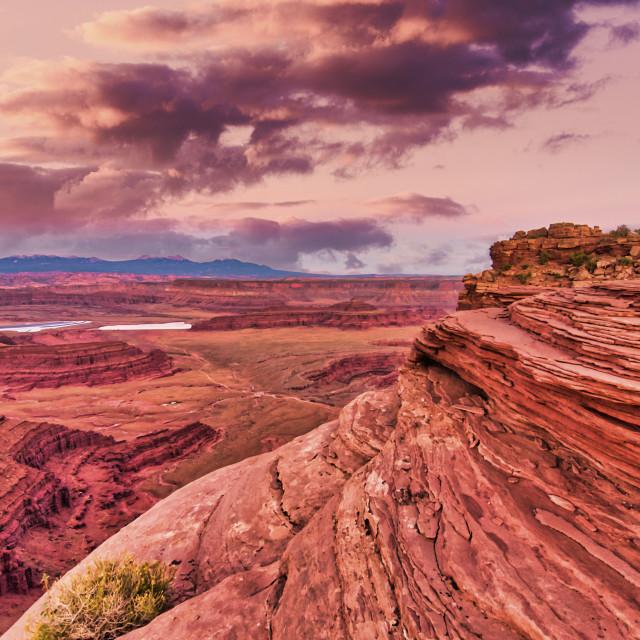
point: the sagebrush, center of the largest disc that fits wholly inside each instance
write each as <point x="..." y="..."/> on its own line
<point x="113" y="597"/>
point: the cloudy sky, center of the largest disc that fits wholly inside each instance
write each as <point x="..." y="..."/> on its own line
<point x="339" y="136"/>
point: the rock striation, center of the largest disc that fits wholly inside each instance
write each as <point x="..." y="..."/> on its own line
<point x="354" y="314"/>
<point x="495" y="495"/>
<point x="432" y="292"/>
<point x="65" y="481"/>
<point x="564" y="255"/>
<point x="27" y="366"/>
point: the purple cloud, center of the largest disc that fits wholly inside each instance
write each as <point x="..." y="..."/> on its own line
<point x="557" y="143"/>
<point x="400" y="70"/>
<point x="415" y="207"/>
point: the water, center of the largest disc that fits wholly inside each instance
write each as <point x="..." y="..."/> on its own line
<point x="33" y="328"/>
<point x="146" y="327"/>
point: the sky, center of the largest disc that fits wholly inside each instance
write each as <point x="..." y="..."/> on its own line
<point x="331" y="136"/>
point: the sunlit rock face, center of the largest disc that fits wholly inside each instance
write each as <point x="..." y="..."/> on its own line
<point x="564" y="255"/>
<point x="496" y="494"/>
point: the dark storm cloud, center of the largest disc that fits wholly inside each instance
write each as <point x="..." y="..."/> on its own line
<point x="353" y="262"/>
<point x="409" y="78"/>
<point x="27" y="195"/>
<point x="284" y="243"/>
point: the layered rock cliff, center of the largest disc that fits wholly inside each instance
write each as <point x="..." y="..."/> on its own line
<point x="34" y="365"/>
<point x="495" y="496"/>
<point x="354" y="314"/>
<point x="64" y="491"/>
<point x="433" y="292"/>
<point x="564" y="255"/>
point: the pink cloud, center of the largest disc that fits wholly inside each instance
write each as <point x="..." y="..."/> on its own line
<point x="415" y="207"/>
<point x="353" y="85"/>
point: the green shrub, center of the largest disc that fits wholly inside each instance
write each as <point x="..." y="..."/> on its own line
<point x="591" y="265"/>
<point x="578" y="259"/>
<point x="625" y="261"/>
<point x="525" y="277"/>
<point x="506" y="267"/>
<point x="556" y="275"/>
<point x="545" y="256"/>
<point x="112" y="598"/>
<point x="621" y="232"/>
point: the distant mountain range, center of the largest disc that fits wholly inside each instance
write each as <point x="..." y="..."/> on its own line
<point x="145" y="265"/>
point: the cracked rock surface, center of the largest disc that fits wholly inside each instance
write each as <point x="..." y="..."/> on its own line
<point x="497" y="499"/>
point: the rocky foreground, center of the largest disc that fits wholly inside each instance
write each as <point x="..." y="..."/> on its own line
<point x="495" y="495"/>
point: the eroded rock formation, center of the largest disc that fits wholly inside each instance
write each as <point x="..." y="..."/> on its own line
<point x="58" y="482"/>
<point x="500" y="500"/>
<point x="354" y="314"/>
<point x="564" y="255"/>
<point x="35" y="365"/>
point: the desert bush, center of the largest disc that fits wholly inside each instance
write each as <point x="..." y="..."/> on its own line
<point x="578" y="258"/>
<point x="545" y="256"/>
<point x="506" y="267"/>
<point x="524" y="277"/>
<point x="556" y="275"/>
<point x="625" y="261"/>
<point x="621" y="231"/>
<point x="591" y="265"/>
<point x="113" y="597"/>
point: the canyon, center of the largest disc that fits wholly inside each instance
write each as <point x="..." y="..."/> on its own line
<point x="27" y="366"/>
<point x="72" y="488"/>
<point x="104" y="424"/>
<point x="492" y="491"/>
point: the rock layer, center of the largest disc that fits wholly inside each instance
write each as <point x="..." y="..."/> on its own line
<point x="499" y="501"/>
<point x="432" y="292"/>
<point x="564" y="255"/>
<point x="60" y="480"/>
<point x="340" y="316"/>
<point x="34" y="365"/>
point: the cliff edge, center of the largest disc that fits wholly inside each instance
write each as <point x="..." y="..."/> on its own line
<point x="495" y="495"/>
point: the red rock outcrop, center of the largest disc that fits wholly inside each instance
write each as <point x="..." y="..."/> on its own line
<point x="564" y="255"/>
<point x="344" y="315"/>
<point x="501" y="500"/>
<point x="49" y="366"/>
<point x="157" y="448"/>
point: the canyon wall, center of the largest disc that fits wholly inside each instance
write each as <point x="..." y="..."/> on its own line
<point x="407" y="292"/>
<point x="26" y="366"/>
<point x="564" y="255"/>
<point x="496" y="495"/>
<point x="60" y="481"/>
<point x="340" y="316"/>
